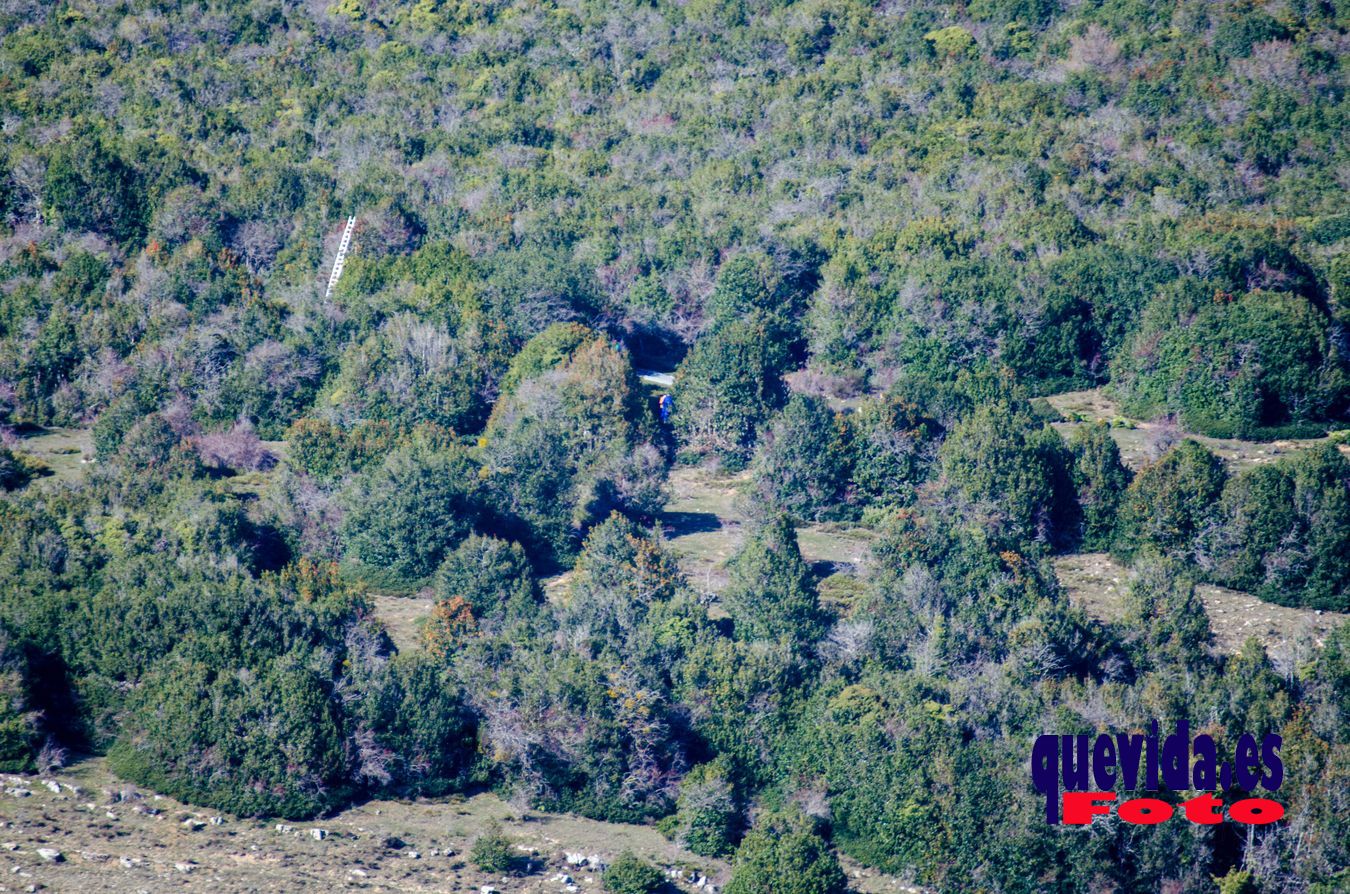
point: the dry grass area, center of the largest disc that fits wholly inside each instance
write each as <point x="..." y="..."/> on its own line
<point x="705" y="521"/>
<point x="402" y="616"/>
<point x="1141" y="441"/>
<point x="113" y="837"/>
<point x="104" y="835"/>
<point x="1097" y="584"/>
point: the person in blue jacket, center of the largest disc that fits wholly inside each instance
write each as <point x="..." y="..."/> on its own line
<point x="667" y="406"/>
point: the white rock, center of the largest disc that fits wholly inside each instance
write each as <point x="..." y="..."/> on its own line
<point x="10" y="846"/>
<point x="109" y="814"/>
<point x="575" y="859"/>
<point x="360" y="873"/>
<point x="318" y="834"/>
<point x="192" y="824"/>
<point x="414" y="855"/>
<point x="52" y="786"/>
<point x="217" y="820"/>
<point x="50" y="854"/>
<point x="487" y="889"/>
<point x="185" y="867"/>
<point x="128" y="862"/>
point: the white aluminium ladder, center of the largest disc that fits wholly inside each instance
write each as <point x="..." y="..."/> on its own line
<point x="341" y="256"/>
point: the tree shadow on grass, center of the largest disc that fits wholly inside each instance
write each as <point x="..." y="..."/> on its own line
<point x="678" y="524"/>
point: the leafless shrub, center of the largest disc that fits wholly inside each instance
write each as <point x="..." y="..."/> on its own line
<point x="1164" y="434"/>
<point x="238" y="450"/>
<point x="1094" y="49"/>
<point x="51" y="756"/>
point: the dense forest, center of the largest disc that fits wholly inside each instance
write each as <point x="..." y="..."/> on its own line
<point x="867" y="238"/>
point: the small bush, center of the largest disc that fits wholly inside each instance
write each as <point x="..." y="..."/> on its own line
<point x="493" y="851"/>
<point x="630" y="874"/>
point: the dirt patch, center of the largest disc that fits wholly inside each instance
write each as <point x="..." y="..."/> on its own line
<point x="1096" y="583"/>
<point x="1142" y="441"/>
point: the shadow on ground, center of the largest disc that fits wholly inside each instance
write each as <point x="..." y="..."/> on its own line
<point x="678" y="524"/>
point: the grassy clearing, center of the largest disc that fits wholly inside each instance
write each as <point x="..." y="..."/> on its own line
<point x="402" y="617"/>
<point x="1142" y="441"/>
<point x="1097" y="584"/>
<point x="114" y="837"/>
<point x="705" y="523"/>
<point x="66" y="451"/>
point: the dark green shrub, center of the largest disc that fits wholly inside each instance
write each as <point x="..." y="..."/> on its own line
<point x="492" y="576"/>
<point x="408" y="513"/>
<point x="92" y="188"/>
<point x="547" y="351"/>
<point x="492" y="851"/>
<point x="802" y="464"/>
<point x="629" y="874"/>
<point x="1171" y="501"/>
<point x="1100" y="480"/>
<point x="708" y="816"/>
<point x="772" y="593"/>
<point x="20" y="734"/>
<point x="999" y="459"/>
<point x="259" y="742"/>
<point x="1231" y="365"/>
<point x="17" y="469"/>
<point x="784" y="856"/>
<point x="1283" y="531"/>
<point x="727" y="386"/>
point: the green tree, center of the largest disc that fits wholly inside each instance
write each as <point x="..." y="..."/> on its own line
<point x="630" y="874"/>
<point x="1282" y="531"/>
<point x="20" y="732"/>
<point x="1000" y="459"/>
<point x="772" y="593"/>
<point x="784" y="856"/>
<point x="1100" y="480"/>
<point x="708" y="813"/>
<point x="893" y="448"/>
<point x="1170" y="501"/>
<point x="492" y="576"/>
<point x="92" y="188"/>
<point x="619" y="576"/>
<point x="265" y="742"/>
<point x="1231" y="366"/>
<point x="802" y="464"/>
<point x="408" y="513"/>
<point x="727" y="386"/>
